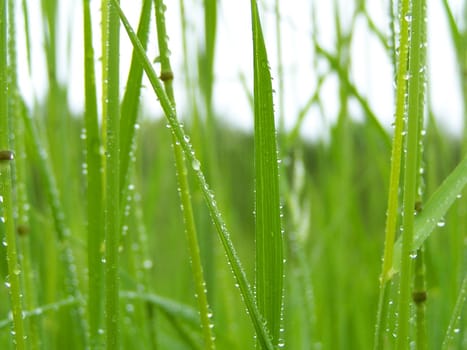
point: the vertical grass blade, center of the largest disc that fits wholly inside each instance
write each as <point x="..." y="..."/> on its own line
<point x="394" y="177"/>
<point x="111" y="115"/>
<point x="185" y="196"/>
<point x="412" y="156"/>
<point x="94" y="186"/>
<point x="59" y="220"/>
<point x="280" y="67"/>
<point x="27" y="276"/>
<point x="130" y="102"/>
<point x="224" y="235"/>
<point x="269" y="241"/>
<point x="6" y="198"/>
<point x="207" y="78"/>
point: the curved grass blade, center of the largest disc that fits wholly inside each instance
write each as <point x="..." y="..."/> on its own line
<point x="434" y="210"/>
<point x="224" y="235"/>
<point x="269" y="242"/>
<point x="180" y="311"/>
<point x="41" y="310"/>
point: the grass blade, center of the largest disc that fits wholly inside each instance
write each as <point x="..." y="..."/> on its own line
<point x="224" y="235"/>
<point x="111" y="116"/>
<point x="453" y="328"/>
<point x="130" y="102"/>
<point x="185" y="196"/>
<point x="411" y="165"/>
<point x="94" y="185"/>
<point x="6" y="195"/>
<point x="434" y="210"/>
<point x="39" y="311"/>
<point x="269" y="241"/>
<point x="62" y="230"/>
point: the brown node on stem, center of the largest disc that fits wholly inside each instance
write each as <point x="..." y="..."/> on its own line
<point x="22" y="230"/>
<point x="419" y="297"/>
<point x="6" y="155"/>
<point x="418" y="207"/>
<point x="166" y="76"/>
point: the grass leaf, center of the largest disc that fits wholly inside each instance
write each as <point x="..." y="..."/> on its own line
<point x="269" y="245"/>
<point x="6" y="191"/>
<point x="94" y="185"/>
<point x="435" y="209"/>
<point x="224" y="235"/>
<point x="111" y="130"/>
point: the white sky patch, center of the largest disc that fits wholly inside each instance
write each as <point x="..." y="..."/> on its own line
<point x="370" y="70"/>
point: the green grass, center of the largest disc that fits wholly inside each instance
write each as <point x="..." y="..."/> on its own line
<point x="123" y="231"/>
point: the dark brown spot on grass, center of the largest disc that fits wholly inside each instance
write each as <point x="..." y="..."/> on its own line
<point x="6" y="155"/>
<point x="22" y="230"/>
<point x="419" y="297"/>
<point x="167" y="76"/>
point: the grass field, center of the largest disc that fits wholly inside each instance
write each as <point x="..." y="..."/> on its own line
<point x="124" y="231"/>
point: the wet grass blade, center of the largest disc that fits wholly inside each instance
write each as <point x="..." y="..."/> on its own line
<point x="62" y="230"/>
<point x="94" y="186"/>
<point x="269" y="242"/>
<point x="435" y="209"/>
<point x="111" y="128"/>
<point x="411" y="165"/>
<point x="454" y="323"/>
<point x="6" y="194"/>
<point x="184" y="188"/>
<point x="224" y="235"/>
<point x="130" y="102"/>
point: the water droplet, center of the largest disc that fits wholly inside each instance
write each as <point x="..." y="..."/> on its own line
<point x="130" y="308"/>
<point x="195" y="165"/>
<point x="457" y="330"/>
<point x="441" y="223"/>
<point x="147" y="264"/>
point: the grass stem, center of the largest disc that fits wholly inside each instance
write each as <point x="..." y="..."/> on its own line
<point x="411" y="171"/>
<point x="184" y="189"/>
<point x="111" y="115"/>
